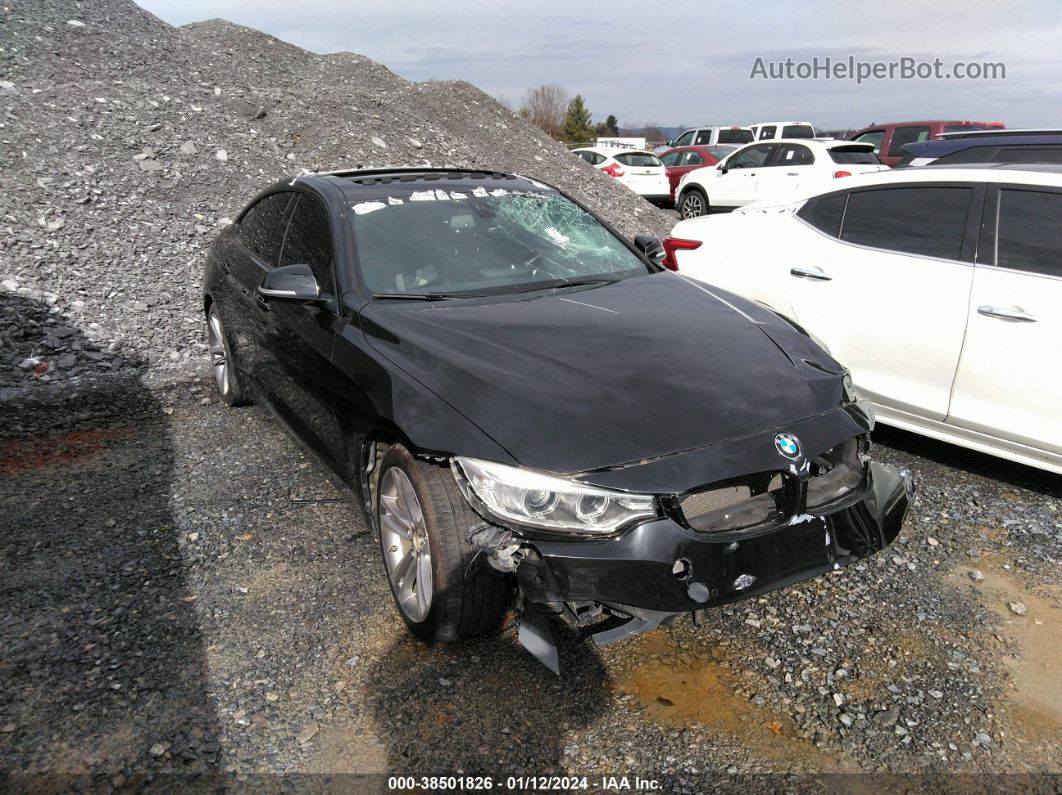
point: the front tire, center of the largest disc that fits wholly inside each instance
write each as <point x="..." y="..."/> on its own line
<point x="222" y="362"/>
<point x="424" y="522"/>
<point x="694" y="204"/>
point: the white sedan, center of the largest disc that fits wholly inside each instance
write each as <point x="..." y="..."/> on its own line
<point x="941" y="289"/>
<point x="771" y="170"/>
<point x="642" y="172"/>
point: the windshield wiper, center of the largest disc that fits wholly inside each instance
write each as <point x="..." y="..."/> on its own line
<point x="532" y="287"/>
<point x="591" y="281"/>
<point x="427" y="296"/>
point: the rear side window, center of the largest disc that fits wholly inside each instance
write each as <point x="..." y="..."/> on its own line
<point x="927" y="221"/>
<point x="737" y="136"/>
<point x="874" y="137"/>
<point x="825" y="213"/>
<point x="768" y="132"/>
<point x="1030" y="231"/>
<point x="309" y="241"/>
<point x="853" y="156"/>
<point x="794" y="155"/>
<point x="693" y="159"/>
<point x="798" y="131"/>
<point x="906" y="135"/>
<point x="262" y="226"/>
<point x="1028" y="154"/>
<point x="704" y="137"/>
<point x="638" y="159"/>
<point x="973" y="154"/>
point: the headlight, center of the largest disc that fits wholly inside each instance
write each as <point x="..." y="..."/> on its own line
<point x="535" y="499"/>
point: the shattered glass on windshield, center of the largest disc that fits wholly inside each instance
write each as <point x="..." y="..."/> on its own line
<point x="483" y="241"/>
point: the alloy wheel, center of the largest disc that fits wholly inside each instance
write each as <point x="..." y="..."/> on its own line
<point x="692" y="206"/>
<point x="404" y="537"/>
<point x="219" y="357"/>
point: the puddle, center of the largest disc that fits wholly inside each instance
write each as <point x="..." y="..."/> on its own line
<point x="682" y="690"/>
<point x="1035" y="693"/>
<point x="22" y="455"/>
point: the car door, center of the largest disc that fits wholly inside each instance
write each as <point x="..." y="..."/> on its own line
<point x="735" y="183"/>
<point x="252" y="249"/>
<point x="297" y="339"/>
<point x="889" y="295"/>
<point x="792" y="165"/>
<point x="1010" y="373"/>
<point x="873" y="137"/>
<point x="685" y="139"/>
<point x="902" y="135"/>
<point x="690" y="159"/>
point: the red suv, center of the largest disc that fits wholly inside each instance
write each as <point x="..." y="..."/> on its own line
<point x="681" y="159"/>
<point x="888" y="139"/>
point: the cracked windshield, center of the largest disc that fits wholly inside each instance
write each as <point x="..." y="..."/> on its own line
<point x="434" y="242"/>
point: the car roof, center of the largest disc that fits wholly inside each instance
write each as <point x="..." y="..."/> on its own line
<point x="1049" y="174"/>
<point x="352" y="181"/>
<point x="924" y="122"/>
<point x="824" y="143"/>
<point x="958" y="134"/>
<point x="716" y="127"/>
<point x="780" y="123"/>
<point x="947" y="146"/>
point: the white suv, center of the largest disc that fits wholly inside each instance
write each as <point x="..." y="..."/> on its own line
<point x="766" y="130"/>
<point x="941" y="289"/>
<point x="774" y="170"/>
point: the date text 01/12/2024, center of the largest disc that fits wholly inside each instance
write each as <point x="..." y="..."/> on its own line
<point x="524" y="783"/>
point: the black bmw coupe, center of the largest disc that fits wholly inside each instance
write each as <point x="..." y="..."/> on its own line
<point x="533" y="410"/>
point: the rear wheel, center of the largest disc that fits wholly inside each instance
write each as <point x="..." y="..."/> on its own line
<point x="222" y="362"/>
<point x="694" y="203"/>
<point x="424" y="522"/>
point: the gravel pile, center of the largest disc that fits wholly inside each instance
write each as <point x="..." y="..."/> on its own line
<point x="182" y="591"/>
<point x="128" y="142"/>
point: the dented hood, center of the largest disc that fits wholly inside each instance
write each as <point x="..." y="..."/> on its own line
<point x="582" y="379"/>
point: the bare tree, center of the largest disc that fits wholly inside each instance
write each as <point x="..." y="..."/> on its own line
<point x="544" y="106"/>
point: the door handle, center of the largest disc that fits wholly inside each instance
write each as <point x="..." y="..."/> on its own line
<point x="792" y="173"/>
<point x="815" y="274"/>
<point x="1010" y="314"/>
<point x="261" y="302"/>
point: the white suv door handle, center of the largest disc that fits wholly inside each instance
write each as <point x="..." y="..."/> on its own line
<point x="792" y="173"/>
<point x="1011" y="314"/>
<point x="814" y="273"/>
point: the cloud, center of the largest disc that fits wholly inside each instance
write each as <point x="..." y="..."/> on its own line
<point x="689" y="62"/>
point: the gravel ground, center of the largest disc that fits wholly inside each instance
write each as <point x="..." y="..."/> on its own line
<point x="183" y="594"/>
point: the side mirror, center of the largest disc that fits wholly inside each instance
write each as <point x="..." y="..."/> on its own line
<point x="651" y="247"/>
<point x="290" y="283"/>
<point x="723" y="168"/>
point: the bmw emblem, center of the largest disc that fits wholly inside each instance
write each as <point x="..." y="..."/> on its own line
<point x="788" y="445"/>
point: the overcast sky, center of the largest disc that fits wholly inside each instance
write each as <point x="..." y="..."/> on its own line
<point x="689" y="62"/>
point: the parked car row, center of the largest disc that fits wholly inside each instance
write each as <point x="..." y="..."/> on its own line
<point x="940" y="287"/>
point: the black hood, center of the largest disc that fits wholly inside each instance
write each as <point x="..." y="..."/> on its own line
<point x="576" y="380"/>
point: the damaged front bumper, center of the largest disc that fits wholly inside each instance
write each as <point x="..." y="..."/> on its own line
<point x="660" y="568"/>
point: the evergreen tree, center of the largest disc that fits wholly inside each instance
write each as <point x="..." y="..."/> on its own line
<point x="577" y="128"/>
